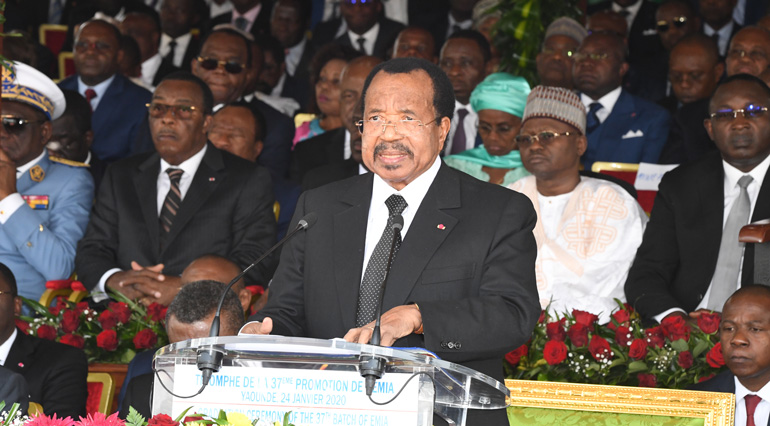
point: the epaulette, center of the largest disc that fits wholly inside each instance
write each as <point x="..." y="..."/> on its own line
<point x="68" y="162"/>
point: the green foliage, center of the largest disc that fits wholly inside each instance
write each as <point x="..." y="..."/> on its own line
<point x="134" y="418"/>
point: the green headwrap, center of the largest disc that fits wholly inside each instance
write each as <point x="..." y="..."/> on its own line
<point x="503" y="92"/>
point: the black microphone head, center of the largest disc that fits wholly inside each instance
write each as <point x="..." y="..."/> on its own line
<point x="398" y="222"/>
<point x="308" y="221"/>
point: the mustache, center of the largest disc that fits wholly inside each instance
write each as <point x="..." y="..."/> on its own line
<point x="395" y="146"/>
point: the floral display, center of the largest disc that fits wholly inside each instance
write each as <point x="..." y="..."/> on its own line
<point x="112" y="335"/>
<point x="575" y="348"/>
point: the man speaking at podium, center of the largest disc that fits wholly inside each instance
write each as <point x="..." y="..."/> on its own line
<point x="462" y="282"/>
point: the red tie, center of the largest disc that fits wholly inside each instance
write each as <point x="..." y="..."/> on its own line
<point x="90" y="94"/>
<point x="751" y="405"/>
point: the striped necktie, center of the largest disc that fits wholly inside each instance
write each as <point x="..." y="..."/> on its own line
<point x="172" y="203"/>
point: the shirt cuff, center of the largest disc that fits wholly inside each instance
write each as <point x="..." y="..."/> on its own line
<point x="100" y="292"/>
<point x="659" y="317"/>
<point x="9" y="205"/>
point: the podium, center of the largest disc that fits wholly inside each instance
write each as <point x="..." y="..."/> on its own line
<point x="319" y="382"/>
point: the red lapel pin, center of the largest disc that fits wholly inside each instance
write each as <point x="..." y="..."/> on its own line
<point x="441" y="226"/>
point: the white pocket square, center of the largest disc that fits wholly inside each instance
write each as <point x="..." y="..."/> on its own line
<point x="633" y="134"/>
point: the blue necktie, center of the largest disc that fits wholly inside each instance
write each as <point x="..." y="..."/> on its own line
<point x="592" y="120"/>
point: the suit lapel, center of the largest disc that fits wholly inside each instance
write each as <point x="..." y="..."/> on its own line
<point x="711" y="194"/>
<point x="104" y="109"/>
<point x="349" y="240"/>
<point x="424" y="237"/>
<point x="146" y="186"/>
<point x="20" y="355"/>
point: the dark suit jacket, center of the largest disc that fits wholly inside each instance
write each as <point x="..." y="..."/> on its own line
<point x="688" y="139"/>
<point x="276" y="151"/>
<point x="55" y="374"/>
<point x="389" y="29"/>
<point x="13" y="389"/>
<point x="165" y="68"/>
<point x="302" y="73"/>
<point x="192" y="51"/>
<point x="678" y="254"/>
<point x="326" y="148"/>
<point x="261" y="24"/>
<point x="329" y="173"/>
<point x="468" y="276"/>
<point x="228" y="210"/>
<point x="138" y="395"/>
<point x="140" y="365"/>
<point x="118" y="117"/>
<point x="297" y="88"/>
<point x="611" y="141"/>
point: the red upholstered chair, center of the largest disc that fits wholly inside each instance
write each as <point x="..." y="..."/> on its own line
<point x="66" y="65"/>
<point x="626" y="172"/>
<point x="758" y="233"/>
<point x="101" y="390"/>
<point x="53" y="37"/>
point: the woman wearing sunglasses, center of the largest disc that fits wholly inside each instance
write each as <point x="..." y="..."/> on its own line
<point x="499" y="101"/>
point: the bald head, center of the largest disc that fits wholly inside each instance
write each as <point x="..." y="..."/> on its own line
<point x="694" y="68"/>
<point x="749" y="52"/>
<point x="214" y="268"/>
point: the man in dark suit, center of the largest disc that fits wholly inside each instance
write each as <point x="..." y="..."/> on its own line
<point x="157" y="212"/>
<point x="55" y="373"/>
<point x="117" y="103"/>
<point x="745" y="337"/>
<point x="442" y="290"/>
<point x="251" y="16"/>
<point x="289" y="24"/>
<point x="690" y="256"/>
<point x="361" y="27"/>
<point x="621" y="127"/>
<point x="718" y="23"/>
<point x="144" y="27"/>
<point x="177" y="43"/>
<point x="749" y="52"/>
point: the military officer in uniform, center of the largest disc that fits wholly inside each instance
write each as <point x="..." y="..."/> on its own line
<point x="44" y="202"/>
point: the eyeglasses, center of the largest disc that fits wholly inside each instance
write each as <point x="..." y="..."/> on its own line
<point x="750" y="112"/>
<point x="182" y="112"/>
<point x="16" y="125"/>
<point x="563" y="52"/>
<point x="212" y="64"/>
<point x="12" y="293"/>
<point x="592" y="56"/>
<point x="544" y="138"/>
<point x="485" y="129"/>
<point x="402" y="127"/>
<point x="678" y="22"/>
<point x="755" y="55"/>
<point x="99" y="46"/>
<point x="358" y="2"/>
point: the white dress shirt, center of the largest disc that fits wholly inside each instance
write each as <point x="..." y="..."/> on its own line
<point x="149" y="69"/>
<point x="761" y="413"/>
<point x="724" y="35"/>
<point x="608" y="102"/>
<point x="100" y="90"/>
<point x="468" y="126"/>
<point x="413" y="193"/>
<point x="463" y="25"/>
<point x="739" y="12"/>
<point x="250" y="16"/>
<point x="219" y="9"/>
<point x="294" y="55"/>
<point x="632" y="10"/>
<point x="13" y="202"/>
<point x="5" y="348"/>
<point x="370" y="36"/>
<point x="397" y="10"/>
<point x="179" y="50"/>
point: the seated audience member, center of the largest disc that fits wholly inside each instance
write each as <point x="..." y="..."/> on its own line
<point x="44" y="202"/>
<point x="607" y="21"/>
<point x="620" y="127"/>
<point x="676" y="19"/>
<point x="145" y="29"/>
<point x="485" y="17"/>
<point x="212" y="267"/>
<point x="13" y="389"/>
<point x="225" y="63"/>
<point x="415" y="42"/>
<point x="189" y="316"/>
<point x="55" y="373"/>
<point x="749" y="52"/>
<point x="588" y="229"/>
<point x="130" y="64"/>
<point x="177" y="43"/>
<point x="157" y="212"/>
<point x="274" y="86"/>
<point x="690" y="257"/>
<point x="499" y="101"/>
<point x="694" y="72"/>
<point x="464" y="59"/>
<point x="332" y="147"/>
<point x="239" y="130"/>
<point x="97" y="55"/>
<point x="71" y="136"/>
<point x="367" y="30"/>
<point x="289" y="24"/>
<point x="745" y="336"/>
<point x="718" y="22"/>
<point x="554" y="62"/>
<point x="326" y="67"/>
<point x="249" y="16"/>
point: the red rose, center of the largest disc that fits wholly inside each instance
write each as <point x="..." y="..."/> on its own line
<point x="554" y="352"/>
<point x="709" y="323"/>
<point x="77" y="286"/>
<point x="155" y="312"/>
<point x="542" y="317"/>
<point x="714" y="357"/>
<point x="578" y="335"/>
<point x="655" y="337"/>
<point x="108" y="320"/>
<point x="122" y="311"/>
<point x="513" y="357"/>
<point x="619" y="318"/>
<point x="22" y="325"/>
<point x="161" y="420"/>
<point x="685" y="359"/>
<point x="58" y="284"/>
<point x="638" y="349"/>
<point x="675" y="328"/>
<point x="73" y="340"/>
<point x="709" y="377"/>
<point x="627" y="307"/>
<point x="599" y="348"/>
<point x="555" y="331"/>
<point x="107" y="340"/>
<point x="585" y="318"/>
<point x="47" y="332"/>
<point x="647" y="380"/>
<point x="82" y="306"/>
<point x="145" y="339"/>
<point x="70" y="321"/>
<point x="622" y="336"/>
<point x="60" y="304"/>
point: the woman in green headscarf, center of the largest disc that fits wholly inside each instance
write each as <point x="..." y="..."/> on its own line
<point x="499" y="100"/>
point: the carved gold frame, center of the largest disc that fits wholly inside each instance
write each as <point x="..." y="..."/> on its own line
<point x="715" y="408"/>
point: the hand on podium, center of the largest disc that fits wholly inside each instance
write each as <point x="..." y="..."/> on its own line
<point x="256" y="327"/>
<point x="396" y="323"/>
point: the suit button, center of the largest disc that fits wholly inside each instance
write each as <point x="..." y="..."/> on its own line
<point x="458" y="345"/>
<point x="443" y="345"/>
<point x="451" y="345"/>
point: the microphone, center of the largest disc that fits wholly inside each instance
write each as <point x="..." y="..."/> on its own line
<point x="372" y="368"/>
<point x="210" y="359"/>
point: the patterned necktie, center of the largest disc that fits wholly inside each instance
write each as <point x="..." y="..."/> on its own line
<point x="241" y="23"/>
<point x="725" y="280"/>
<point x="751" y="405"/>
<point x="172" y="202"/>
<point x="171" y="52"/>
<point x="459" y="140"/>
<point x="592" y="120"/>
<point x="90" y="95"/>
<point x="361" y="45"/>
<point x="371" y="285"/>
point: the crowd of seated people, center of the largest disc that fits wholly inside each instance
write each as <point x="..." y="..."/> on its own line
<point x="185" y="131"/>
